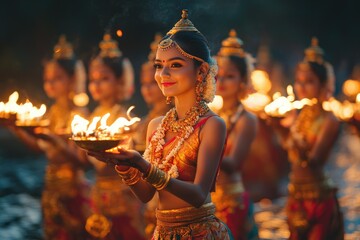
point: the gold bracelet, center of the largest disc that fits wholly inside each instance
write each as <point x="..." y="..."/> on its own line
<point x="158" y="178"/>
<point x="129" y="177"/>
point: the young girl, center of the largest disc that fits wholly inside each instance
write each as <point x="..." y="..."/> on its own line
<point x="312" y="208"/>
<point x="233" y="203"/>
<point x="184" y="148"/>
<point x="64" y="199"/>
<point x="116" y="211"/>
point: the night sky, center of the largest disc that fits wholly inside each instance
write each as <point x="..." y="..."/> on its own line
<point x="30" y="29"/>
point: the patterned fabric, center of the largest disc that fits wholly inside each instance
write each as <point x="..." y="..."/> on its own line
<point x="187" y="155"/>
<point x="64" y="203"/>
<point x="314" y="218"/>
<point x="190" y="223"/>
<point x="64" y="200"/>
<point x="312" y="209"/>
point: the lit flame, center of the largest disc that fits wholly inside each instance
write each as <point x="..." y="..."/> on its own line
<point x="98" y="129"/>
<point x="256" y="102"/>
<point x="358" y="98"/>
<point x="260" y="81"/>
<point x="28" y="114"/>
<point x="351" y="87"/>
<point x="10" y="107"/>
<point x="342" y="110"/>
<point x="282" y="105"/>
<point x="216" y="104"/>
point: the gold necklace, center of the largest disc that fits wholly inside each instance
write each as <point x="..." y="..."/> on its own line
<point x="154" y="152"/>
<point x="173" y="124"/>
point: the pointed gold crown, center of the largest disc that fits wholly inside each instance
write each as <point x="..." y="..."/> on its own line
<point x="314" y="53"/>
<point x="154" y="46"/>
<point x="232" y="46"/>
<point x="109" y="47"/>
<point x="184" y="24"/>
<point x="63" y="49"/>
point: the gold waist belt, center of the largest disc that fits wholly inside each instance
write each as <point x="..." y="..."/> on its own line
<point x="185" y="216"/>
<point x="316" y="190"/>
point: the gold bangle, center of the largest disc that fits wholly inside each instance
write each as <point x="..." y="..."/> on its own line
<point x="158" y="178"/>
<point x="129" y="177"/>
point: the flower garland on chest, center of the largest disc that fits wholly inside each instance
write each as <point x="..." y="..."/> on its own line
<point x="184" y="127"/>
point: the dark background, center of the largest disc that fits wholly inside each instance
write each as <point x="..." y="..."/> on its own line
<point x="30" y="29"/>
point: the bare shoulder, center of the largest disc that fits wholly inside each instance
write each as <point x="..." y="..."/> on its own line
<point x="248" y="119"/>
<point x="214" y="123"/>
<point x="154" y="123"/>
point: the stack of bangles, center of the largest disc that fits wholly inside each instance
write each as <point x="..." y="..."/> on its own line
<point x="156" y="177"/>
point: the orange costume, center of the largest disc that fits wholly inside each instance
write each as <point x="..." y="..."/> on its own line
<point x="65" y="196"/>
<point x="312" y="208"/>
<point x="190" y="222"/>
<point x="312" y="205"/>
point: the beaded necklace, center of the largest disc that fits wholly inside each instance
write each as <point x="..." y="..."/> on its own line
<point x="185" y="127"/>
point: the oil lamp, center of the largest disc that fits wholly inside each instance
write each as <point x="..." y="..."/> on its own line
<point x="97" y="135"/>
<point x="256" y="102"/>
<point x="281" y="105"/>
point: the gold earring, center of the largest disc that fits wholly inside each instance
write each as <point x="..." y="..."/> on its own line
<point x="168" y="100"/>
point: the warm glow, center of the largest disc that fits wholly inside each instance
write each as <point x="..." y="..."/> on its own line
<point x="282" y="105"/>
<point x="358" y="98"/>
<point x="216" y="104"/>
<point x="351" y="88"/>
<point x="10" y="107"/>
<point x="342" y="110"/>
<point x="260" y="81"/>
<point x="256" y="102"/>
<point x="119" y="33"/>
<point x="98" y="129"/>
<point x="28" y="114"/>
<point x="290" y="92"/>
<point x="81" y="99"/>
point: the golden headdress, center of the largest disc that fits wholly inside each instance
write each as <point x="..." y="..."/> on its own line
<point x="63" y="49"/>
<point x="109" y="47"/>
<point x="232" y="46"/>
<point x="184" y="24"/>
<point x="314" y="53"/>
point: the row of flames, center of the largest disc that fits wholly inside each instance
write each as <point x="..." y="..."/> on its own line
<point x="264" y="106"/>
<point x="343" y="110"/>
<point x="97" y="129"/>
<point x="25" y="113"/>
